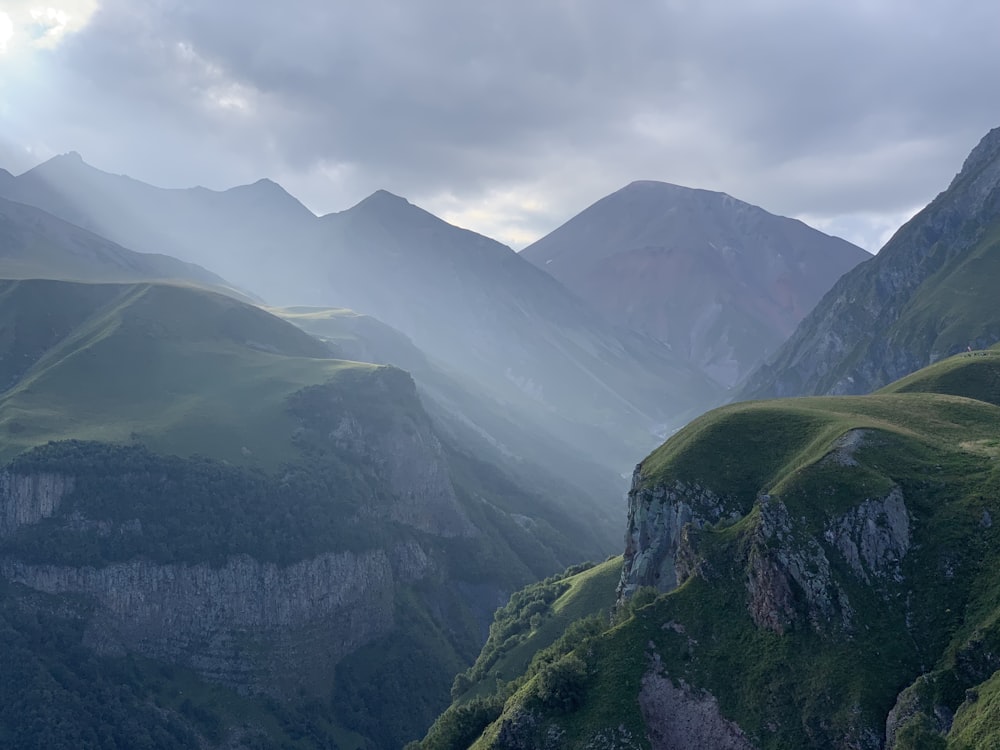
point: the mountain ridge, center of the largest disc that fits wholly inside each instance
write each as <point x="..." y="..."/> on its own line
<point x="926" y="295"/>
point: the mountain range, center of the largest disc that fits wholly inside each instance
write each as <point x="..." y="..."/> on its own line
<point x="287" y="505"/>
<point x="472" y="304"/>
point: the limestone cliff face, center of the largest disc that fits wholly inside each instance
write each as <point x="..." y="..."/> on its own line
<point x="795" y="571"/>
<point x="679" y="717"/>
<point x="789" y="568"/>
<point x="250" y="625"/>
<point x="28" y="498"/>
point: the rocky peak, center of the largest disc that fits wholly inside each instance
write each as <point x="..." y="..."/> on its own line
<point x="382" y="202"/>
<point x="983" y="167"/>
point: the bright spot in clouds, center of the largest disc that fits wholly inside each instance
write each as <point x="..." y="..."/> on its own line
<point x="42" y="26"/>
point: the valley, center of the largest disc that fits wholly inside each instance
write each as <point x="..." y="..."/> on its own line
<point x="361" y="480"/>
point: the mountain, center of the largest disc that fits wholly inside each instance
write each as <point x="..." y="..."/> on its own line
<point x="468" y="302"/>
<point x="245" y="232"/>
<point x="837" y="555"/>
<point x="35" y="244"/>
<point x="930" y="292"/>
<point x="214" y="534"/>
<point x="720" y="281"/>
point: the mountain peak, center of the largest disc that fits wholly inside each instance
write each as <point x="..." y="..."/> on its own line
<point x="663" y="190"/>
<point x="70" y="158"/>
<point x="981" y="169"/>
<point x="382" y="199"/>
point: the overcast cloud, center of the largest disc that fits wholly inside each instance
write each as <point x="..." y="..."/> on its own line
<point x="510" y="117"/>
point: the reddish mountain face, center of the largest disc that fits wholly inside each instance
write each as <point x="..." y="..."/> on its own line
<point x="720" y="281"/>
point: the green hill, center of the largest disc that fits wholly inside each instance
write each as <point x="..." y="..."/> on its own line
<point x="182" y="371"/>
<point x="814" y="573"/>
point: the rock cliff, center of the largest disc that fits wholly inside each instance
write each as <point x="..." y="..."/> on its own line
<point x="657" y="551"/>
<point x="27" y="499"/>
<point x="255" y="627"/>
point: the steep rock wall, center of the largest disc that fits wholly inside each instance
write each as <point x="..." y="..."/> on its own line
<point x="26" y="499"/>
<point x="655" y="553"/>
<point x="250" y="625"/>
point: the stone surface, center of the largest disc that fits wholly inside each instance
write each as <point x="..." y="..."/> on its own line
<point x="26" y="499"/>
<point x="250" y="625"/>
<point x="679" y="717"/>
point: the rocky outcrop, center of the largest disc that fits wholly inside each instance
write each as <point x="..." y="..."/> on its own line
<point x="26" y="499"/>
<point x="678" y="717"/>
<point x="656" y="545"/>
<point x="788" y="574"/>
<point x="916" y="705"/>
<point x="874" y="537"/>
<point x="250" y="625"/>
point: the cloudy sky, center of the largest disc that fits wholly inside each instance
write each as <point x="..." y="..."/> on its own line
<point x="509" y="117"/>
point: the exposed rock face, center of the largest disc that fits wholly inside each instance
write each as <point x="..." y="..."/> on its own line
<point x="866" y="331"/>
<point x="788" y="568"/>
<point x="410" y="459"/>
<point x="783" y="569"/>
<point x="250" y="625"/>
<point x="873" y="537"/>
<point x="679" y="717"/>
<point x="656" y="547"/>
<point x="26" y="499"/>
<point x="915" y="703"/>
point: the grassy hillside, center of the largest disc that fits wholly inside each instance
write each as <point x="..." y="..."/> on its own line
<point x="180" y="370"/>
<point x="852" y="569"/>
<point x="973" y="374"/>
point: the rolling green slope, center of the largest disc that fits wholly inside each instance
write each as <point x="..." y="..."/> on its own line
<point x="180" y="370"/>
<point x="814" y="573"/>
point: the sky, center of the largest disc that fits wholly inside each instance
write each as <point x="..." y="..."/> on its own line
<point x="510" y="117"/>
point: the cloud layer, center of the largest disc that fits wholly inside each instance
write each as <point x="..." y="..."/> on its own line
<point x="510" y="117"/>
